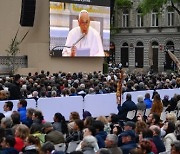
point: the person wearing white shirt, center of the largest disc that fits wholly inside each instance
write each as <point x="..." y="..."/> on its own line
<point x="83" y="37"/>
<point x="8" y="106"/>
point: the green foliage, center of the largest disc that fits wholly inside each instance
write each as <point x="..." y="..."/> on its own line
<point x="149" y="5"/>
<point x="124" y="3"/>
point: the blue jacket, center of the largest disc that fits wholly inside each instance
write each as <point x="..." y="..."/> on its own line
<point x="128" y="146"/>
<point x="101" y="136"/>
<point x="159" y="144"/>
<point x="148" y="103"/>
<point x="22" y="112"/>
<point x="8" y="151"/>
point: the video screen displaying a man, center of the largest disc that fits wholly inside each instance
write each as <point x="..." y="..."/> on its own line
<point x="83" y="40"/>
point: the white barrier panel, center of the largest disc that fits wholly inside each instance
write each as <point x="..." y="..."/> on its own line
<point x="169" y="92"/>
<point x="64" y="105"/>
<point x="101" y="104"/>
<point x="162" y="92"/>
<point x="135" y="94"/>
<point x="31" y="103"/>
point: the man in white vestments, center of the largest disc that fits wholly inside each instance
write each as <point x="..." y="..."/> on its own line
<point x="83" y="37"/>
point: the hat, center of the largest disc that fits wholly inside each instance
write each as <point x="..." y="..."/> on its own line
<point x="130" y="123"/>
<point x="86" y="114"/>
<point x="128" y="133"/>
<point x="47" y="125"/>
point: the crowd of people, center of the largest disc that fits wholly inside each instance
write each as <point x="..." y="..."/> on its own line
<point x="26" y="131"/>
<point x="70" y="84"/>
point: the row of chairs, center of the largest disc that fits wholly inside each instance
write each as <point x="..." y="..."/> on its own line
<point x="132" y="114"/>
<point x="67" y="148"/>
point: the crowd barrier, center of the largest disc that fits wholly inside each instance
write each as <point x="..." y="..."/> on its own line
<point x="101" y="104"/>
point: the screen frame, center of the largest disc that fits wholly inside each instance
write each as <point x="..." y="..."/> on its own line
<point x="102" y="3"/>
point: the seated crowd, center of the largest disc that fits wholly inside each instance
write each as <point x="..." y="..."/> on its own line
<point x="70" y="84"/>
<point x="26" y="131"/>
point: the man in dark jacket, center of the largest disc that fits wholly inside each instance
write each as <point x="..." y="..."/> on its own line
<point x="14" y="88"/>
<point x="111" y="143"/>
<point x="7" y="144"/>
<point x="127" y="106"/>
<point x="128" y="140"/>
<point x="52" y="135"/>
<point x="157" y="139"/>
<point x="100" y="133"/>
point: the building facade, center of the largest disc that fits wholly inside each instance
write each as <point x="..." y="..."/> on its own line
<point x="141" y="41"/>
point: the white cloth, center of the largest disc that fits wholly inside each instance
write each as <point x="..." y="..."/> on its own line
<point x="7" y="114"/>
<point x="91" y="40"/>
<point x="168" y="140"/>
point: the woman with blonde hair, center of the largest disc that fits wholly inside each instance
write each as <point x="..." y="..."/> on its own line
<point x="157" y="106"/>
<point x="171" y="117"/>
<point x="21" y="133"/>
<point x="107" y="127"/>
<point x="73" y="116"/>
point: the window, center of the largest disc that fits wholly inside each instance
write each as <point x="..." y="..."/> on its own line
<point x="125" y="18"/>
<point x="139" y="19"/>
<point x="170" y="16"/>
<point x="154" y="19"/>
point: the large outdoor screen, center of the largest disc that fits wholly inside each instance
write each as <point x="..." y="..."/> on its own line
<point x="68" y="18"/>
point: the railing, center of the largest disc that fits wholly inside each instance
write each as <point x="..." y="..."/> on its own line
<point x="20" y="62"/>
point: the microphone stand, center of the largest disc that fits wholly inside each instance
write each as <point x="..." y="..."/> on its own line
<point x="65" y="46"/>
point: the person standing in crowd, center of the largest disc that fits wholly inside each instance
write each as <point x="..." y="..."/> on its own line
<point x="127" y="106"/>
<point x="7" y="145"/>
<point x="14" y="88"/>
<point x="157" y="138"/>
<point x="111" y="143"/>
<point x="52" y="135"/>
<point x="100" y="133"/>
<point x="140" y="105"/>
<point x="21" y="133"/>
<point x="8" y="106"/>
<point x="128" y="140"/>
<point x="157" y="106"/>
<point x="22" y="104"/>
<point x="148" y="101"/>
<point x="88" y="37"/>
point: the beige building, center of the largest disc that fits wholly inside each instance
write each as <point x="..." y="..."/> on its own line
<point x="35" y="47"/>
<point x="140" y="41"/>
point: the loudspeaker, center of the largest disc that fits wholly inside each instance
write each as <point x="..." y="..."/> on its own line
<point x="27" y="13"/>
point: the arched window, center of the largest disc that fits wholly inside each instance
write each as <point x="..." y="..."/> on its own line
<point x="139" y="55"/>
<point x="155" y="44"/>
<point x="125" y="54"/>
<point x="139" y="44"/>
<point x="155" y="49"/>
<point x="169" y="64"/>
<point x="125" y="44"/>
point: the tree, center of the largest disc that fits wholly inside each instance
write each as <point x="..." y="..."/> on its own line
<point x="12" y="51"/>
<point x="148" y="5"/>
<point x="123" y="3"/>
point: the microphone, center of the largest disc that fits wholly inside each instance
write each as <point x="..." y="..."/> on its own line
<point x="83" y="35"/>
